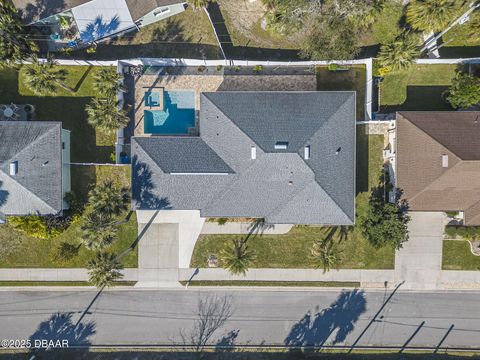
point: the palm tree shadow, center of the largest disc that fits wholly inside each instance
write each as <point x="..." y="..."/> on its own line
<point x="338" y="320"/>
<point x="60" y="327"/>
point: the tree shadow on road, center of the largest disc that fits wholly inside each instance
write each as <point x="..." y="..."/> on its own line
<point x="332" y="324"/>
<point x="60" y="328"/>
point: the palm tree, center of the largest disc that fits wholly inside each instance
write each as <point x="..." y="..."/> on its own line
<point x="401" y="53"/>
<point x="326" y="252"/>
<point x="108" y="199"/>
<point x="15" y="45"/>
<point x="236" y="258"/>
<point x="104" y="269"/>
<point x="432" y="15"/>
<point x="107" y="82"/>
<point x="105" y="114"/>
<point x="43" y="78"/>
<point x="198" y="4"/>
<point x="98" y="230"/>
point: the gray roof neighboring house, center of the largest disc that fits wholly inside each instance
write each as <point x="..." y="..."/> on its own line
<point x="219" y="177"/>
<point x="35" y="149"/>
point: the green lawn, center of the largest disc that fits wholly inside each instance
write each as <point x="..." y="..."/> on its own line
<point x="292" y="250"/>
<point x="67" y="107"/>
<point x="457" y="256"/>
<point x="32" y="252"/>
<point x="186" y="35"/>
<point x="352" y="79"/>
<point x="419" y="88"/>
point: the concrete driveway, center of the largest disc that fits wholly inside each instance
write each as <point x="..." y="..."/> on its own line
<point x="158" y="255"/>
<point x="419" y="262"/>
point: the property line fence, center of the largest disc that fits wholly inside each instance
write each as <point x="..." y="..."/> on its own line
<point x="181" y="62"/>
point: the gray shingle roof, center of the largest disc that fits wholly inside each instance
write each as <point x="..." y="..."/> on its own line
<point x="279" y="185"/>
<point x="183" y="155"/>
<point x="37" y="187"/>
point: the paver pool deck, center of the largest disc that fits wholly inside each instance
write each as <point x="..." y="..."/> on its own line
<point x="212" y="83"/>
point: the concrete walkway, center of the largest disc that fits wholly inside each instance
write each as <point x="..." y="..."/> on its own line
<point x="243" y="228"/>
<point x="419" y="262"/>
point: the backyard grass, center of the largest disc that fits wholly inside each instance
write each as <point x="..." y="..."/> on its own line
<point x="32" y="252"/>
<point x="186" y="35"/>
<point x="243" y="21"/>
<point x="292" y="250"/>
<point x="352" y="79"/>
<point x="64" y="106"/>
<point x="457" y="256"/>
<point x="419" y="88"/>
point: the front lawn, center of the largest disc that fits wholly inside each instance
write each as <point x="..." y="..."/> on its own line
<point x="186" y="35"/>
<point x="27" y="251"/>
<point x="457" y="256"/>
<point x="65" y="106"/>
<point x="292" y="250"/>
<point x="352" y="79"/>
<point x="419" y="88"/>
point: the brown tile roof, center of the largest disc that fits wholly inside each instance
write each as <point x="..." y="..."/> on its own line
<point x="423" y="138"/>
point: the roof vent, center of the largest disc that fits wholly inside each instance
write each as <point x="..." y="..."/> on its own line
<point x="445" y="161"/>
<point x="253" y="153"/>
<point x="306" y="152"/>
<point x="338" y="150"/>
<point x="13" y="168"/>
<point x="281" y="145"/>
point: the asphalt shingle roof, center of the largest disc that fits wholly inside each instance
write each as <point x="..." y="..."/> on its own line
<point x="423" y="139"/>
<point x="36" y="148"/>
<point x="280" y="185"/>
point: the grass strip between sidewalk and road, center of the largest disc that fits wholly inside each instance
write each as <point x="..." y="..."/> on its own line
<point x="272" y="283"/>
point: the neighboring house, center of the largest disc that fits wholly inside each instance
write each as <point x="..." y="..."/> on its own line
<point x="76" y="22"/>
<point x="438" y="161"/>
<point x="288" y="157"/>
<point x="34" y="167"/>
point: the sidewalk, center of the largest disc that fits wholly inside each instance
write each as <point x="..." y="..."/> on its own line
<point x="367" y="278"/>
<point x="67" y="274"/>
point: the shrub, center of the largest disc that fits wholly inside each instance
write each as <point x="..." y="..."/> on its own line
<point x="257" y="68"/>
<point x="333" y="67"/>
<point x="65" y="252"/>
<point x="222" y="221"/>
<point x="464" y="91"/>
<point x="465" y="232"/>
<point x="41" y="227"/>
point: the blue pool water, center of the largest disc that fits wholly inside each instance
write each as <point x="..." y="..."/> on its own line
<point x="177" y="116"/>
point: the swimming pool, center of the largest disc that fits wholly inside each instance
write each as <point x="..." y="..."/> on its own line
<point x="177" y="116"/>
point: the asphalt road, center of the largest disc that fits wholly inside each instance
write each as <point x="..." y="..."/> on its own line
<point x="293" y="318"/>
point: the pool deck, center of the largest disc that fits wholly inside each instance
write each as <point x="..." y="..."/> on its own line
<point x="213" y="83"/>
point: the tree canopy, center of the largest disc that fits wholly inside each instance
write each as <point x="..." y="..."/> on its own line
<point x="400" y="53"/>
<point x="385" y="223"/>
<point x="105" y="114"/>
<point x="15" y="42"/>
<point x="104" y="269"/>
<point x="464" y="91"/>
<point x="432" y="15"/>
